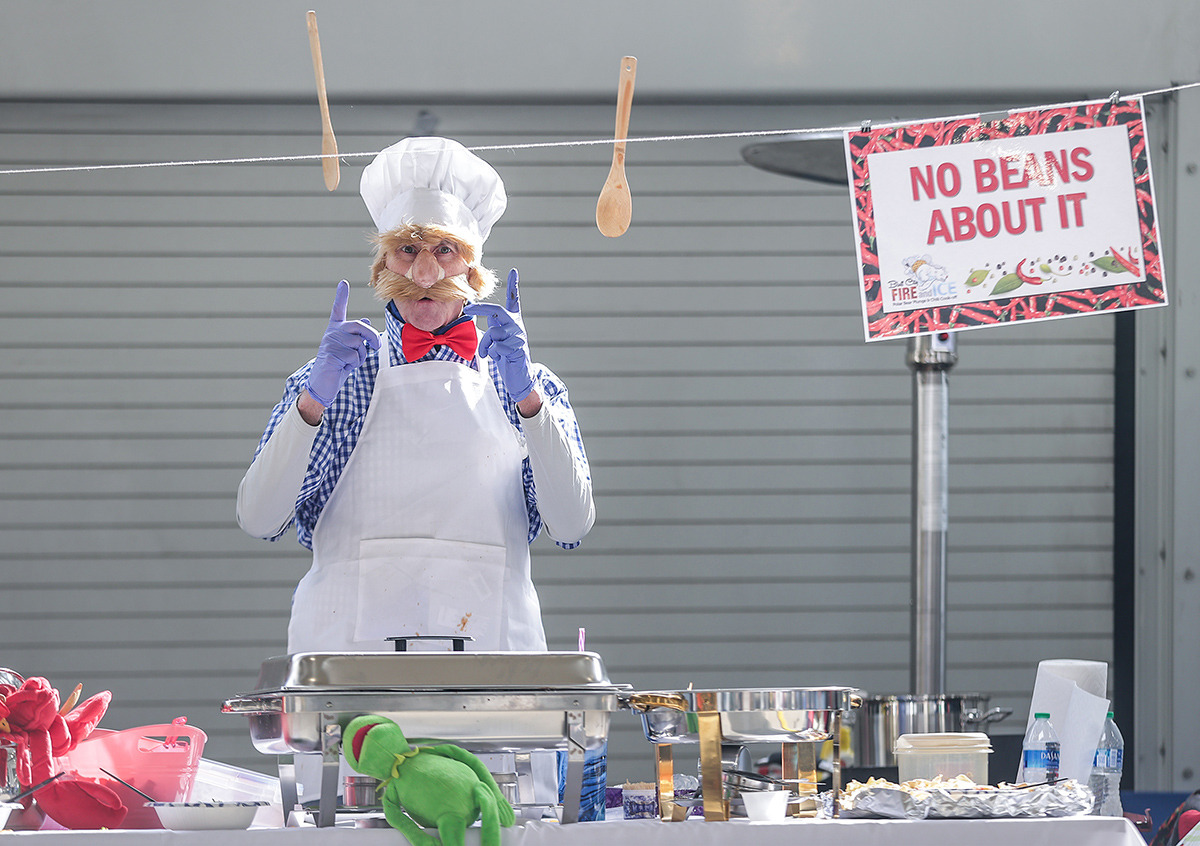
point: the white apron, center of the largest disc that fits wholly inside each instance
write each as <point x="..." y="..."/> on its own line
<point x="426" y="531"/>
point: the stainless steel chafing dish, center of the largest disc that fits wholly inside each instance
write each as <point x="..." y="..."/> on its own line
<point x="798" y="718"/>
<point x="486" y="702"/>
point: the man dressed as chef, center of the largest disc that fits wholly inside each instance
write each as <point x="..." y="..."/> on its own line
<point x="420" y="462"/>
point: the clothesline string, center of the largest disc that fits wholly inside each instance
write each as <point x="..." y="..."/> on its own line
<point x="372" y="153"/>
<point x="762" y="133"/>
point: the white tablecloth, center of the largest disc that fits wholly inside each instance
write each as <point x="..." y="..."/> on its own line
<point x="1072" y="831"/>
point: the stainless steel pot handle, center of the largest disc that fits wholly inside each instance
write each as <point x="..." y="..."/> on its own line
<point x="252" y="706"/>
<point x="648" y="701"/>
<point x="995" y="715"/>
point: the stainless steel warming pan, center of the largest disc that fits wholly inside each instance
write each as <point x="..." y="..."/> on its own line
<point x="800" y="718"/>
<point x="747" y="715"/>
<point x="483" y="701"/>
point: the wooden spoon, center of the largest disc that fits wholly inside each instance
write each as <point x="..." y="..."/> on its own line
<point x="615" y="206"/>
<point x="329" y="161"/>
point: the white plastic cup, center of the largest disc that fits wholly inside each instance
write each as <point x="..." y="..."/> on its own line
<point x="765" y="805"/>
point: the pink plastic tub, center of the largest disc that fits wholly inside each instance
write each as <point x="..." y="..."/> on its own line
<point x="161" y="761"/>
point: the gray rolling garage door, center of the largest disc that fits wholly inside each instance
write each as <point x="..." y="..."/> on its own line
<point x="751" y="454"/>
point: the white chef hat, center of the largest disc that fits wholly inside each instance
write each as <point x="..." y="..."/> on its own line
<point x="434" y="182"/>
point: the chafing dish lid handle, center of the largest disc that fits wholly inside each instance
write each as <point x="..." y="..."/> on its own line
<point x="456" y="641"/>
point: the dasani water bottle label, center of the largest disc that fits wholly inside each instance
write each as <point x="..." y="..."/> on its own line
<point x="1042" y="759"/>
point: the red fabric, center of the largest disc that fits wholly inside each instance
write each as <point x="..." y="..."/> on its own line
<point x="86" y="715"/>
<point x="81" y="804"/>
<point x="1187" y="821"/>
<point x="41" y="755"/>
<point x="60" y="736"/>
<point x="30" y="715"/>
<point x="461" y="338"/>
<point x="33" y="706"/>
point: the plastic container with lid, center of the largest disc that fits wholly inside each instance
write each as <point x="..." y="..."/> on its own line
<point x="945" y="754"/>
<point x="219" y="782"/>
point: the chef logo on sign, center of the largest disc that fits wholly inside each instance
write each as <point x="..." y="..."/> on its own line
<point x="923" y="282"/>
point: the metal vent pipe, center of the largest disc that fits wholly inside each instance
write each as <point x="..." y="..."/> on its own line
<point x="930" y="357"/>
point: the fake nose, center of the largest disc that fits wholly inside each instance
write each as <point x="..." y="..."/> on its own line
<point x="426" y="271"/>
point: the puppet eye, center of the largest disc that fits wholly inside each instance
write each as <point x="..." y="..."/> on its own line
<point x="444" y="250"/>
<point x="410" y="249"/>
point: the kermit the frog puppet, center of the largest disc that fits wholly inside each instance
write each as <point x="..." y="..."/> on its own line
<point x="443" y="787"/>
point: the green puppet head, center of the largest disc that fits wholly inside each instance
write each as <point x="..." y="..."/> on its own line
<point x="372" y="743"/>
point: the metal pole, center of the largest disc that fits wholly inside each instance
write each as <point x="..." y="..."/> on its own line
<point x="930" y="357"/>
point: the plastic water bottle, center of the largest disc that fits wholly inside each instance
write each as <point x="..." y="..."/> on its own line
<point x="1105" y="780"/>
<point x="1040" y="751"/>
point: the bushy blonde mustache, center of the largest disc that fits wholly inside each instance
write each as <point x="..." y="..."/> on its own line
<point x="393" y="286"/>
<point x="472" y="286"/>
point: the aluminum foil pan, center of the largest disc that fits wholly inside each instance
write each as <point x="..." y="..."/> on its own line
<point x="1066" y="798"/>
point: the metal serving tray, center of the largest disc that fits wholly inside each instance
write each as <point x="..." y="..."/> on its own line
<point x="485" y="702"/>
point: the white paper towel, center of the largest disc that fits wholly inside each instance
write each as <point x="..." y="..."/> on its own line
<point x="1073" y="693"/>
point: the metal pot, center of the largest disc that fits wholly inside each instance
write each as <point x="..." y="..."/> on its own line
<point x="360" y="792"/>
<point x="882" y="719"/>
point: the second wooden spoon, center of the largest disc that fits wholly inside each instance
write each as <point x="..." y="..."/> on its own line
<point x="614" y="209"/>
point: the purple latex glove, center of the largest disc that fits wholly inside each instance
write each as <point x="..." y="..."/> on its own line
<point x="343" y="349"/>
<point x="505" y="341"/>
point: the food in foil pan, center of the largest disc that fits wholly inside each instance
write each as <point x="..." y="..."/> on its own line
<point x="961" y="798"/>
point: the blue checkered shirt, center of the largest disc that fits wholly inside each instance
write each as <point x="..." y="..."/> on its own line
<point x="343" y="420"/>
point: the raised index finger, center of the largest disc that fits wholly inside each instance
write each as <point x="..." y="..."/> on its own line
<point x="513" y="298"/>
<point x="341" y="299"/>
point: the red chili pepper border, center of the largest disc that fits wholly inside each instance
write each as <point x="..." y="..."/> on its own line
<point x="881" y="324"/>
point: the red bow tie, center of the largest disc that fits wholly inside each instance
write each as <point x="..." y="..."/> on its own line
<point x="461" y="337"/>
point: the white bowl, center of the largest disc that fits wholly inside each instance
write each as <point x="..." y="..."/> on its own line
<point x="196" y="816"/>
